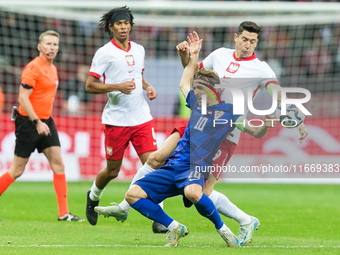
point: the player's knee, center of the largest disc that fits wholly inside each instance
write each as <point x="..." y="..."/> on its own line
<point x="58" y="167"/>
<point x="132" y="195"/>
<point x="17" y="172"/>
<point x="61" y="166"/>
<point x="17" y="168"/>
<point x="112" y="172"/>
<point x="193" y="198"/>
<point x="192" y="195"/>
<point x="130" y="198"/>
<point x="208" y="190"/>
<point x="155" y="161"/>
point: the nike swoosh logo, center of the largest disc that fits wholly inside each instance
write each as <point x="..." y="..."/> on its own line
<point x="245" y="237"/>
<point x="211" y="213"/>
<point x="131" y="71"/>
<point x="237" y="242"/>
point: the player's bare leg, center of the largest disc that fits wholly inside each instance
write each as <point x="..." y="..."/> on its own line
<point x="248" y="224"/>
<point x="15" y="171"/>
<point x="94" y="194"/>
<point x="18" y="166"/>
<point x="154" y="161"/>
<point x="53" y="155"/>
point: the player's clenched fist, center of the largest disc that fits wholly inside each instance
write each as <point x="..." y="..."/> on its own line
<point x="151" y="93"/>
<point x="183" y="47"/>
<point x="303" y="132"/>
<point x="183" y="50"/>
<point x="127" y="87"/>
<point x="42" y="128"/>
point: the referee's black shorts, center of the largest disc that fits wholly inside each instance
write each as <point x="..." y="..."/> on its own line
<point x="28" y="139"/>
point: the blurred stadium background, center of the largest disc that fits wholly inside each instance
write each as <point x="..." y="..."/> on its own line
<point x="300" y="41"/>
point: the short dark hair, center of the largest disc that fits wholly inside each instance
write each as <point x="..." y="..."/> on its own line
<point x="249" y="26"/>
<point x="105" y="20"/>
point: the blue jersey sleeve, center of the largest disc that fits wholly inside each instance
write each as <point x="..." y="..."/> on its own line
<point x="192" y="102"/>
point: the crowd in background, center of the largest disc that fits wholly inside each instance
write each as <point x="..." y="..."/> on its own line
<point x="294" y="52"/>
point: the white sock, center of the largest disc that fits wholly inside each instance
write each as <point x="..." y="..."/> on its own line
<point x="145" y="169"/>
<point x="228" y="209"/>
<point x="125" y="206"/>
<point x="224" y="227"/>
<point x="96" y="193"/>
<point x="173" y="225"/>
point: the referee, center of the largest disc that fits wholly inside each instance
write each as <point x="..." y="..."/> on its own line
<point x="34" y="126"/>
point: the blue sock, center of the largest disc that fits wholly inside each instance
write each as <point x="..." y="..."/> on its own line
<point x="207" y="209"/>
<point x="152" y="211"/>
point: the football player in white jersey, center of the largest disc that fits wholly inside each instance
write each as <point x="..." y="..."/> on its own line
<point x="117" y="69"/>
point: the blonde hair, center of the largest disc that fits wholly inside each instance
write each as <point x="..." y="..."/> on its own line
<point x="208" y="75"/>
<point x="48" y="32"/>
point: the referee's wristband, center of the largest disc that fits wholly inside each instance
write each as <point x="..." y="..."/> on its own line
<point x="35" y="121"/>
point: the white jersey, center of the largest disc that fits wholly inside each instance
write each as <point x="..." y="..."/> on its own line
<point x="244" y="73"/>
<point x="113" y="65"/>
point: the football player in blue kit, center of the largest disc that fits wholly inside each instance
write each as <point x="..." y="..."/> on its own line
<point x="185" y="170"/>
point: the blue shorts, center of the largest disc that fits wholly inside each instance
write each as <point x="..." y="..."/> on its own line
<point x="168" y="181"/>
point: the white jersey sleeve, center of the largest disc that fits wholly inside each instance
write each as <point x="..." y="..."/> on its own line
<point x="100" y="63"/>
<point x="143" y="59"/>
<point x="208" y="62"/>
<point x="268" y="75"/>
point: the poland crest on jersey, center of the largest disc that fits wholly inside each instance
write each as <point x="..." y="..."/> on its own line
<point x="109" y="150"/>
<point x="218" y="114"/>
<point x="130" y="61"/>
<point x="233" y="67"/>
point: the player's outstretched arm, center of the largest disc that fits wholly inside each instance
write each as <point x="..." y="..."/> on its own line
<point x="94" y="86"/>
<point x="256" y="131"/>
<point x="157" y="158"/>
<point x="302" y="128"/>
<point x="189" y="71"/>
<point x="183" y="51"/>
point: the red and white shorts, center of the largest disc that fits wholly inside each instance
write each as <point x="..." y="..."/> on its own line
<point x="117" y="139"/>
<point x="223" y="156"/>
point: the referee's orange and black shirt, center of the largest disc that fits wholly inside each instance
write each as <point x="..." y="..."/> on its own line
<point x="43" y="78"/>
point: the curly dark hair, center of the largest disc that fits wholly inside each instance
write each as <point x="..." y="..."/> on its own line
<point x="105" y="20"/>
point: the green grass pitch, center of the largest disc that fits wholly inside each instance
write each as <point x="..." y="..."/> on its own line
<point x="295" y="219"/>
